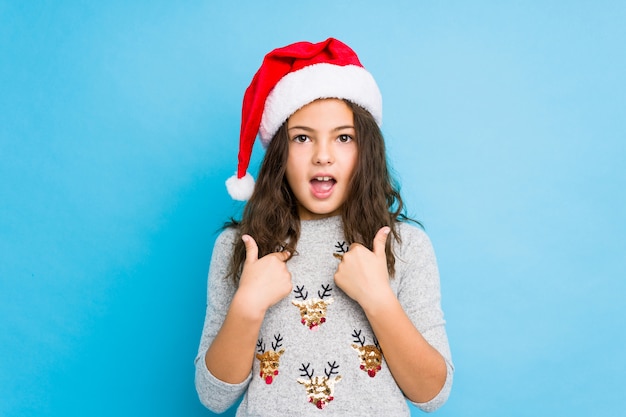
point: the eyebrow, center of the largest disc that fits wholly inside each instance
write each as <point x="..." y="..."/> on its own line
<point x="310" y="129"/>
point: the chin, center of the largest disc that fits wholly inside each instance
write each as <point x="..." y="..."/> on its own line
<point x="308" y="214"/>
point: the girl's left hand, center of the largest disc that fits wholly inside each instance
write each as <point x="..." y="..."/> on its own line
<point x="362" y="274"/>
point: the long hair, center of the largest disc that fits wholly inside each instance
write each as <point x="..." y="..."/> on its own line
<point x="373" y="200"/>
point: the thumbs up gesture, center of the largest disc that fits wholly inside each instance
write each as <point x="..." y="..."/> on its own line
<point x="362" y="274"/>
<point x="264" y="281"/>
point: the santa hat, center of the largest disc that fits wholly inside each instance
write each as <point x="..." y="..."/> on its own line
<point x="289" y="78"/>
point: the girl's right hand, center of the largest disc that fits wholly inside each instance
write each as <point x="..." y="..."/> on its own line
<point x="265" y="281"/>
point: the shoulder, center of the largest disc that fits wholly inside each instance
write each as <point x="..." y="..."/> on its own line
<point x="227" y="236"/>
<point x="226" y="240"/>
<point x="414" y="244"/>
<point x="412" y="235"/>
<point x="220" y="260"/>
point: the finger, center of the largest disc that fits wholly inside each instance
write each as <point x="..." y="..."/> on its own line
<point x="283" y="255"/>
<point x="380" y="240"/>
<point x="252" y="250"/>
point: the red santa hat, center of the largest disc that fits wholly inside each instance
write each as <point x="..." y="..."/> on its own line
<point x="289" y="78"/>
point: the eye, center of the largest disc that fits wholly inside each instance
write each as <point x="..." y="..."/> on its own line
<point x="344" y="138"/>
<point x="301" y="139"/>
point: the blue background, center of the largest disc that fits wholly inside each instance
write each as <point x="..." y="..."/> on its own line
<point x="119" y="121"/>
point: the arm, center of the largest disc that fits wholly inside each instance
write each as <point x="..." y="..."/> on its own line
<point x="263" y="283"/>
<point x="233" y="319"/>
<point x="419" y="369"/>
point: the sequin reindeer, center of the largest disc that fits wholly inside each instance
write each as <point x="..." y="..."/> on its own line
<point x="313" y="310"/>
<point x="320" y="389"/>
<point x="342" y="247"/>
<point x="270" y="360"/>
<point x="371" y="356"/>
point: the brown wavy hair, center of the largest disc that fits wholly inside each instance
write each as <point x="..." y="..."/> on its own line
<point x="373" y="201"/>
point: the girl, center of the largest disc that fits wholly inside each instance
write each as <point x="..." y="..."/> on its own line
<point x="322" y="297"/>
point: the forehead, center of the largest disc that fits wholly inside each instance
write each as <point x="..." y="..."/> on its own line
<point x="323" y="113"/>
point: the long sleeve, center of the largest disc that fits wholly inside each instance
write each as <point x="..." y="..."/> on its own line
<point x="420" y="296"/>
<point x="215" y="394"/>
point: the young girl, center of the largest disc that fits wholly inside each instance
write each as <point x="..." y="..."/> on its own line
<point x="322" y="300"/>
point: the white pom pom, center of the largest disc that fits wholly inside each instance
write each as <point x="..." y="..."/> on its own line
<point x="240" y="188"/>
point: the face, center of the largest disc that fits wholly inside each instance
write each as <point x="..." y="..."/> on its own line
<point x="322" y="157"/>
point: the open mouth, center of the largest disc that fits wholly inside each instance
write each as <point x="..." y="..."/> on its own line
<point x="322" y="187"/>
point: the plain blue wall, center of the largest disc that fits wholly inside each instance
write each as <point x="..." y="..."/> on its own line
<point x="506" y="125"/>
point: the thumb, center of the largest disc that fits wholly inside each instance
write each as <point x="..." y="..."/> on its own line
<point x="283" y="255"/>
<point x="380" y="240"/>
<point x="252" y="250"/>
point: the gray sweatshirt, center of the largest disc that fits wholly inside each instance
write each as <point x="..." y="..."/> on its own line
<point x="316" y="353"/>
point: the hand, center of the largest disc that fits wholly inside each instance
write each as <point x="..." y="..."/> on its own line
<point x="362" y="274"/>
<point x="265" y="281"/>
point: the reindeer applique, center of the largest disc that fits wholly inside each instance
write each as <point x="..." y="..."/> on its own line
<point x="371" y="356"/>
<point x="342" y="247"/>
<point x="269" y="361"/>
<point x="320" y="389"/>
<point x="313" y="310"/>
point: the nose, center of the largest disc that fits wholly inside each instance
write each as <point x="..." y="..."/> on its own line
<point x="323" y="154"/>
